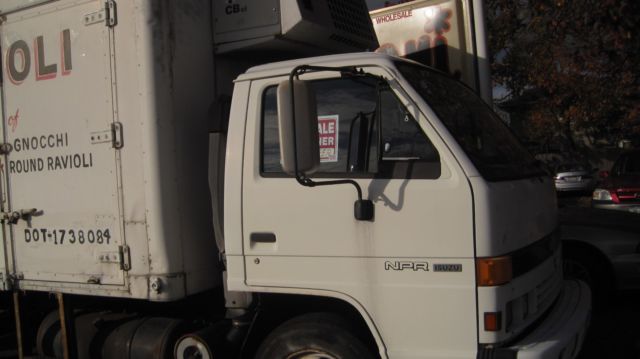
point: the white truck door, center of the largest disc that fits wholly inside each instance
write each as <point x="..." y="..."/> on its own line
<point x="60" y="120"/>
<point x="412" y="268"/>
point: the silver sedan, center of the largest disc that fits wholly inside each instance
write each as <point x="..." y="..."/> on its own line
<point x="574" y="177"/>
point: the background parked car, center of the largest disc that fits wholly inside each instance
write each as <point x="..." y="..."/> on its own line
<point x="620" y="188"/>
<point x="602" y="248"/>
<point x="574" y="177"/>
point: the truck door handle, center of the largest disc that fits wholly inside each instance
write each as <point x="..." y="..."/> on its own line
<point x="262" y="237"/>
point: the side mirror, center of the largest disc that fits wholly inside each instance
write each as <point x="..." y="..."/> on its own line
<point x="299" y="131"/>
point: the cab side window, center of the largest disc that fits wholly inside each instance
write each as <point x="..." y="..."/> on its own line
<point x="365" y="132"/>
<point x="406" y="152"/>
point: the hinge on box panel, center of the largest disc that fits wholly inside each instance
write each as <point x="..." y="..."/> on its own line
<point x="116" y="130"/>
<point x="113" y="135"/>
<point x="112" y="14"/>
<point x="5" y="285"/>
<point x="108" y="15"/>
<point x="5" y="148"/>
<point x="15" y="216"/>
<point x="121" y="257"/>
<point x="125" y="258"/>
<point x="13" y="279"/>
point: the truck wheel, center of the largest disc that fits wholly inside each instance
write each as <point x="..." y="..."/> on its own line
<point x="313" y="336"/>
<point x="590" y="268"/>
<point x="48" y="336"/>
<point x="207" y="343"/>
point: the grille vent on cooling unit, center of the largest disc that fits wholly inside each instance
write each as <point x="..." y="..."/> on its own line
<point x="353" y="18"/>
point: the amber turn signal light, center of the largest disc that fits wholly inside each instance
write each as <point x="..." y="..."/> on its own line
<point x="494" y="271"/>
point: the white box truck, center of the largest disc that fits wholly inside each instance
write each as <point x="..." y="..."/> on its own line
<point x="345" y="206"/>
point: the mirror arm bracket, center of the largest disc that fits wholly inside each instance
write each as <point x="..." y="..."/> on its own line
<point x="363" y="210"/>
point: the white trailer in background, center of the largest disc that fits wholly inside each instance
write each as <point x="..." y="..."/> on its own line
<point x="449" y="35"/>
<point x="142" y="184"/>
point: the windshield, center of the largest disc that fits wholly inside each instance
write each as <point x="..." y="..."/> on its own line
<point x="490" y="145"/>
<point x="627" y="165"/>
<point x="572" y="167"/>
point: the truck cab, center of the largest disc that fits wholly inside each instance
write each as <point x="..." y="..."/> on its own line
<point x="461" y="257"/>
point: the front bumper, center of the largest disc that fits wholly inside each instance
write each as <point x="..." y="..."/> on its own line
<point x="562" y="332"/>
<point x="562" y="186"/>
<point x="628" y="207"/>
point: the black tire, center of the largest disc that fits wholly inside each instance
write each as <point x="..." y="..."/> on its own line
<point x="589" y="267"/>
<point x="48" y="335"/>
<point x="315" y="335"/>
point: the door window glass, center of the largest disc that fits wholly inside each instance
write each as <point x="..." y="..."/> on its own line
<point x="350" y="113"/>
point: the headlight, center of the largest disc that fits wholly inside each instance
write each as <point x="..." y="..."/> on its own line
<point x="600" y="194"/>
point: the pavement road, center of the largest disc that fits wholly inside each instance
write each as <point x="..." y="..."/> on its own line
<point x="615" y="331"/>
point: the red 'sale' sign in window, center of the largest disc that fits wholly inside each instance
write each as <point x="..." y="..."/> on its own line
<point x="328" y="131"/>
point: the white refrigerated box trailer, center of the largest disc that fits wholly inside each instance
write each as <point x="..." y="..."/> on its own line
<point x="106" y="109"/>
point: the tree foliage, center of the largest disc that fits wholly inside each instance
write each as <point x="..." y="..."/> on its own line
<point x="571" y="66"/>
